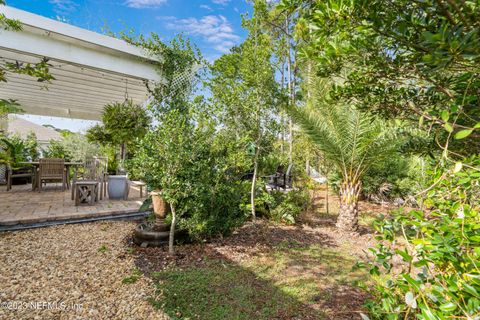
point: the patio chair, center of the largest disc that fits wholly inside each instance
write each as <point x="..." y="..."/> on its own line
<point x="51" y="170"/>
<point x="103" y="163"/>
<point x="20" y="173"/>
<point x="93" y="170"/>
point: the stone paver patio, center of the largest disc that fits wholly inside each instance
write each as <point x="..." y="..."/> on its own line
<point x="23" y="206"/>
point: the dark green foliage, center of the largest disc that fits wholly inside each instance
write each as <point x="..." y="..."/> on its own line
<point x="401" y="59"/>
<point x="395" y="177"/>
<point x="185" y="162"/>
<point x="438" y="276"/>
<point x="418" y="61"/>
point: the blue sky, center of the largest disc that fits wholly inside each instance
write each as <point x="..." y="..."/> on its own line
<point x="213" y="25"/>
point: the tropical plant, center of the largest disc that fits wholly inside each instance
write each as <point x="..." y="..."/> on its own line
<point x="13" y="151"/>
<point x="350" y="140"/>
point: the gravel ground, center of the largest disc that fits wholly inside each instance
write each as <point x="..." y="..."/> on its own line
<point x="77" y="269"/>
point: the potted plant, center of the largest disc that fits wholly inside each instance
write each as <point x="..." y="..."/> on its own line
<point x="122" y="123"/>
<point x="160" y="207"/>
<point x="156" y="232"/>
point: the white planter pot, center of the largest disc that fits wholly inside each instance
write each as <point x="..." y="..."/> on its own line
<point x="117" y="187"/>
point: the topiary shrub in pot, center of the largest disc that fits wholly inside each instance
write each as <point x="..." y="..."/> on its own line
<point x="122" y="123"/>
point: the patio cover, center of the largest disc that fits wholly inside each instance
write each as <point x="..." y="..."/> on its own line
<point x="90" y="69"/>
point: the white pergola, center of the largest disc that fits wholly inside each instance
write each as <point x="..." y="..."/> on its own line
<point x="90" y="69"/>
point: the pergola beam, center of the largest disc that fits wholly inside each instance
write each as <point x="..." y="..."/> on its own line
<point x="44" y="37"/>
<point x="90" y="69"/>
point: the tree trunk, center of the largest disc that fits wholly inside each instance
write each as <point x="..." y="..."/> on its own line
<point x="171" y="237"/>
<point x="291" y="90"/>
<point x="254" y="182"/>
<point x="326" y="199"/>
<point x="348" y="213"/>
<point x="123" y="153"/>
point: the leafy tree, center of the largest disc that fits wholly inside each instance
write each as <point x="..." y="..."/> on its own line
<point x="246" y="95"/>
<point x="172" y="170"/>
<point x="348" y="139"/>
<point x="278" y="21"/>
<point x="72" y="147"/>
<point x="416" y="60"/>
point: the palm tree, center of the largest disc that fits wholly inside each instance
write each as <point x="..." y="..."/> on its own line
<point x="350" y="140"/>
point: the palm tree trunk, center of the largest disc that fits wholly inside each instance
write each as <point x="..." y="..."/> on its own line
<point x="348" y="213"/>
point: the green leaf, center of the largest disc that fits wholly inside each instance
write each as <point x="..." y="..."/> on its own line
<point x="448" y="307"/>
<point x="448" y="127"/>
<point x="470" y="289"/>
<point x="428" y="315"/>
<point x="463" y="133"/>
<point x="445" y="115"/>
<point x="420" y="121"/>
<point x="406" y="257"/>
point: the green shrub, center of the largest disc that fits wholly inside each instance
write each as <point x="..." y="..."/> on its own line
<point x="428" y="260"/>
<point x="281" y="206"/>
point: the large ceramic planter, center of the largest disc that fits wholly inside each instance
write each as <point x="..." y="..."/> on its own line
<point x="117" y="187"/>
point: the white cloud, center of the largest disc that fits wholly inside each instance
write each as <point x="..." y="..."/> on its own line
<point x="144" y="3"/>
<point x="64" y="7"/>
<point x="204" y="6"/>
<point x="222" y="2"/>
<point x="215" y="30"/>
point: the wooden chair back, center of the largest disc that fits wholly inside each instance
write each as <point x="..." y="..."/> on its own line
<point x="93" y="169"/>
<point x="103" y="162"/>
<point x="51" y="168"/>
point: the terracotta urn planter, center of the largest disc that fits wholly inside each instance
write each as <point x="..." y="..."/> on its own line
<point x="160" y="207"/>
<point x="154" y="233"/>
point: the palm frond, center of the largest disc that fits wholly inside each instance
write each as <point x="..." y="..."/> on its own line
<point x="348" y="138"/>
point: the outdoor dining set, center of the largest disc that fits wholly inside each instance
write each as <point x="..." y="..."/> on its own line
<point x="88" y="182"/>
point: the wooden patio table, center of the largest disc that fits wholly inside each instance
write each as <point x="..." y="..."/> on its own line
<point x="67" y="165"/>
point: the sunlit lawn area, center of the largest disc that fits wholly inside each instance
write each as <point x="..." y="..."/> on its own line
<point x="264" y="271"/>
